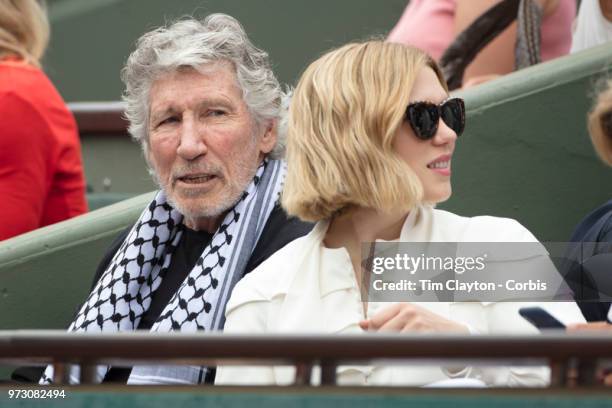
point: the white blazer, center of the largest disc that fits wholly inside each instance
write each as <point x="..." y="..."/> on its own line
<point x="307" y="288"/>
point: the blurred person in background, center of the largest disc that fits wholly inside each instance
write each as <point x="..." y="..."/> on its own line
<point x="593" y="24"/>
<point x="41" y="170"/>
<point x="433" y="25"/>
<point x="595" y="230"/>
<point x="591" y="262"/>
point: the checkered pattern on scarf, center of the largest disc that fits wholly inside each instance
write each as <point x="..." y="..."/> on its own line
<point x="123" y="293"/>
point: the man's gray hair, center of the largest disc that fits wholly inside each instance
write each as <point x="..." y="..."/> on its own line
<point x="192" y="43"/>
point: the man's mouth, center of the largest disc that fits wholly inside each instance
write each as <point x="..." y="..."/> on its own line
<point x="196" y="178"/>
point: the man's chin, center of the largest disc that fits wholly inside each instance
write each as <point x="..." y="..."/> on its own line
<point x="192" y="210"/>
<point x="201" y="206"/>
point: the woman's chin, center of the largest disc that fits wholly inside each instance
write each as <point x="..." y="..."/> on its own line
<point x="437" y="197"/>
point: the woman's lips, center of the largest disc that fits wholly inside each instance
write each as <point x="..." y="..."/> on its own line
<point x="441" y="165"/>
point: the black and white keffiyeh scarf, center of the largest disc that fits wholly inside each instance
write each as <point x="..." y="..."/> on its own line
<point x="124" y="290"/>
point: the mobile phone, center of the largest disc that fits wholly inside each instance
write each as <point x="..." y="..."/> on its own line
<point x="540" y="318"/>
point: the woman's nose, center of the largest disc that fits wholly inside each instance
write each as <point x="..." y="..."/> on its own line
<point x="444" y="134"/>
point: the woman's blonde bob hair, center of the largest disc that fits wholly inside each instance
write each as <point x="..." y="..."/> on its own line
<point x="343" y="116"/>
<point x="24" y="30"/>
<point x="600" y="124"/>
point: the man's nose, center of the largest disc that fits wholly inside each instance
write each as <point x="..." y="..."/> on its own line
<point x="191" y="143"/>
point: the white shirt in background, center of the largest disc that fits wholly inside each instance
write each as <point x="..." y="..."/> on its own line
<point x="592" y="28"/>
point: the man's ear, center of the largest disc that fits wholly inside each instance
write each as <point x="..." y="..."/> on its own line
<point x="269" y="136"/>
<point x="147" y="155"/>
<point x="149" y="158"/>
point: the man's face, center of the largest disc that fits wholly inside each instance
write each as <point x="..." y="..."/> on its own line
<point x="204" y="145"/>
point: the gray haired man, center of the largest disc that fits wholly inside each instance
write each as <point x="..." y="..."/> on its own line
<point x="204" y="104"/>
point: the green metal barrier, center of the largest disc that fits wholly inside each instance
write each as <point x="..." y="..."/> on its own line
<point x="526" y="153"/>
<point x="96" y="201"/>
<point x="91" y="40"/>
<point x="45" y="274"/>
<point x="114" y="164"/>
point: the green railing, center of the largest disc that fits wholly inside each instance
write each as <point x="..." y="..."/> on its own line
<point x="526" y="153"/>
<point x="45" y="274"/>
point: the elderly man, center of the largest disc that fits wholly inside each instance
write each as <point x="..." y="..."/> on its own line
<point x="204" y="104"/>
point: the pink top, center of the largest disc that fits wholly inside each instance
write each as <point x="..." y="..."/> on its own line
<point x="423" y="18"/>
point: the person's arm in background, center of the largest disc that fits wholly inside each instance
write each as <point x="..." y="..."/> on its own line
<point x="26" y="163"/>
<point x="426" y="24"/>
<point x="606" y="9"/>
<point x="497" y="58"/>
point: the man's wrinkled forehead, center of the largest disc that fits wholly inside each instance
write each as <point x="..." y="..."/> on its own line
<point x="209" y="70"/>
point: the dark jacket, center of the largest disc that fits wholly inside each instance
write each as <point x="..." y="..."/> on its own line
<point x="588" y="267"/>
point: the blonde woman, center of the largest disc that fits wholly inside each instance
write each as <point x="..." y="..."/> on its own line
<point x="41" y="171"/>
<point x="371" y="136"/>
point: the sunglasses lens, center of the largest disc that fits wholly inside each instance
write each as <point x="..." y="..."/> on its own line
<point x="606" y="123"/>
<point x="453" y="114"/>
<point x="423" y="118"/>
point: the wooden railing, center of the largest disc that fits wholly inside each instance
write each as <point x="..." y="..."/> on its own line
<point x="99" y="117"/>
<point x="578" y="355"/>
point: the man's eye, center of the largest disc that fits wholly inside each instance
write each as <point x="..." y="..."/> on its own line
<point x="216" y="112"/>
<point x="168" y="120"/>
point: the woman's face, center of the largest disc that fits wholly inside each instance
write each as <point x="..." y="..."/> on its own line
<point x="430" y="159"/>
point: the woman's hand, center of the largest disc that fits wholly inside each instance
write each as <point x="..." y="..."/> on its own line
<point x="593" y="326"/>
<point x="408" y="317"/>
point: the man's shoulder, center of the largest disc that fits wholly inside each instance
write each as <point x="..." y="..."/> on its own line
<point x="109" y="254"/>
<point x="596" y="226"/>
<point x="280" y="229"/>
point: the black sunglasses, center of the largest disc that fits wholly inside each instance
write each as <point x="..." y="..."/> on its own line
<point x="424" y="116"/>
